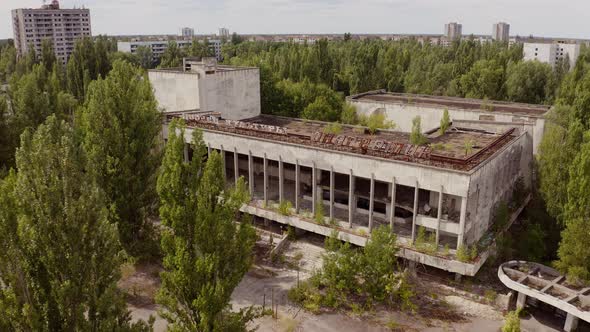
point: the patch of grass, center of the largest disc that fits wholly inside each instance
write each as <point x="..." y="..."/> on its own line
<point x="490" y="295"/>
<point x="288" y="324"/>
<point x="362" y="232"/>
<point x="319" y="212"/>
<point x="333" y="128"/>
<point x="285" y="208"/>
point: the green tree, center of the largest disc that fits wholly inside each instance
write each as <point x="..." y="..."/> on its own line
<point x="145" y="57"/>
<point x="47" y="54"/>
<point x="64" y="254"/>
<point x="206" y="252"/>
<point x="483" y="80"/>
<point x="445" y="122"/>
<point x="416" y="136"/>
<point x="172" y="56"/>
<point x="530" y="82"/>
<point x="320" y="109"/>
<point x="88" y="61"/>
<point x="120" y="125"/>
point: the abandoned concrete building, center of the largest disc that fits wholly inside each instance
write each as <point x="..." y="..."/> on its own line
<point x="446" y="190"/>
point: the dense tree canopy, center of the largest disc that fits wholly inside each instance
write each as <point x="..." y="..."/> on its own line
<point x="206" y="252"/>
<point x="120" y="126"/>
<point x="61" y="255"/>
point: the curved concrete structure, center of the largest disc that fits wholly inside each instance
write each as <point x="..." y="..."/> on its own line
<point x="547" y="285"/>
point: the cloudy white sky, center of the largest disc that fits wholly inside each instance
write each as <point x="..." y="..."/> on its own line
<point x="565" y="18"/>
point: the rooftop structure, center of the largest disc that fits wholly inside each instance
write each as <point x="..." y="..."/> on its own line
<point x="61" y="27"/>
<point x="403" y="108"/>
<point x="203" y="85"/>
<point x="363" y="180"/>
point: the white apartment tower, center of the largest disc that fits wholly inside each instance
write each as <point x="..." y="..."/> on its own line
<point x="188" y="32"/>
<point x="501" y="32"/>
<point x="62" y="27"/>
<point x="223" y="32"/>
<point x="453" y="31"/>
<point x="552" y="53"/>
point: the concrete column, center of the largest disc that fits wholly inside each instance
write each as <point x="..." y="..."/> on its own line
<point x="415" y="212"/>
<point x="186" y="153"/>
<point x="297" y="169"/>
<point x="222" y="151"/>
<point x="371" y="202"/>
<point x="251" y="173"/>
<point x="351" y="199"/>
<point x="520" y="301"/>
<point x="462" y="221"/>
<point x="281" y="179"/>
<point x="331" y="192"/>
<point x="439" y="215"/>
<point x="314" y="190"/>
<point x="265" y="167"/>
<point x="236" y="166"/>
<point x="392" y="209"/>
<point x="571" y="323"/>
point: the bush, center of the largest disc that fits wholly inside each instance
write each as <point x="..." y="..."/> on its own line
<point x="376" y="121"/>
<point x="291" y="235"/>
<point x="333" y="128"/>
<point x="501" y="217"/>
<point x="318" y="216"/>
<point x="425" y="243"/>
<point x="445" y="122"/>
<point x="512" y="323"/>
<point x="463" y="254"/>
<point x="349" y="115"/>
<point x="416" y="136"/>
<point x="285" y="208"/>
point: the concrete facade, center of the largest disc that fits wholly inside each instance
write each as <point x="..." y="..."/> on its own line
<point x="233" y="92"/>
<point x="501" y="32"/>
<point x="62" y="27"/>
<point x="551" y="53"/>
<point x="453" y="31"/>
<point x="430" y="113"/>
<point x="158" y="47"/>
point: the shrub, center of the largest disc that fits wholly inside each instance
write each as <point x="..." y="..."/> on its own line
<point x="490" y="295"/>
<point x="463" y="254"/>
<point x="578" y="276"/>
<point x="333" y="128"/>
<point x="285" y="208"/>
<point x="319" y="212"/>
<point x="349" y="115"/>
<point x="445" y="122"/>
<point x="291" y="234"/>
<point x="376" y="121"/>
<point x="512" y="322"/>
<point x="416" y="136"/>
<point x="425" y="243"/>
<point x="468" y="146"/>
<point x="501" y="217"/>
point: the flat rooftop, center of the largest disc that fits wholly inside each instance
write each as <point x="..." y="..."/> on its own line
<point x="458" y="148"/>
<point x="452" y="102"/>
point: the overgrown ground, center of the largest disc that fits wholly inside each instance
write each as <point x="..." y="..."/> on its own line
<point x="441" y="303"/>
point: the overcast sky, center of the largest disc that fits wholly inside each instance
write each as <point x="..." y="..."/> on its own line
<point x="565" y="18"/>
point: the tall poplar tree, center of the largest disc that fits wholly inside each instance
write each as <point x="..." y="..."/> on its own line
<point x="120" y="125"/>
<point x="206" y="252"/>
<point x="63" y="257"/>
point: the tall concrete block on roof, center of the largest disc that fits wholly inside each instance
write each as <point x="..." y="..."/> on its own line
<point x="233" y="92"/>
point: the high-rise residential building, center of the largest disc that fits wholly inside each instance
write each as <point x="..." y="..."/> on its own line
<point x="453" y="30"/>
<point x="223" y="32"/>
<point x="61" y="27"/>
<point x="552" y="52"/>
<point x="501" y="32"/>
<point x="188" y="32"/>
<point x="158" y="47"/>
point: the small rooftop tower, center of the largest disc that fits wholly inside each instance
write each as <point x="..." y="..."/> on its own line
<point x="54" y="4"/>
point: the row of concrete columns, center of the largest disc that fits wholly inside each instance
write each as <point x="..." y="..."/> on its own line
<point x="571" y="321"/>
<point x="351" y="198"/>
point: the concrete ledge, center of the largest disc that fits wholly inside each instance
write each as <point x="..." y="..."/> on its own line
<point x="443" y="263"/>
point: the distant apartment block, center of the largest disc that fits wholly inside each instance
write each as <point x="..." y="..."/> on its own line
<point x="552" y="53"/>
<point x="501" y="32"/>
<point x="223" y="32"/>
<point x="188" y="32"/>
<point x="453" y="31"/>
<point x="62" y="27"/>
<point x="158" y="47"/>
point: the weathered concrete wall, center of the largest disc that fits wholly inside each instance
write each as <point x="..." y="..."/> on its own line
<point x="235" y="94"/>
<point x="431" y="178"/>
<point x="492" y="182"/>
<point x="175" y="91"/>
<point x="402" y="115"/>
